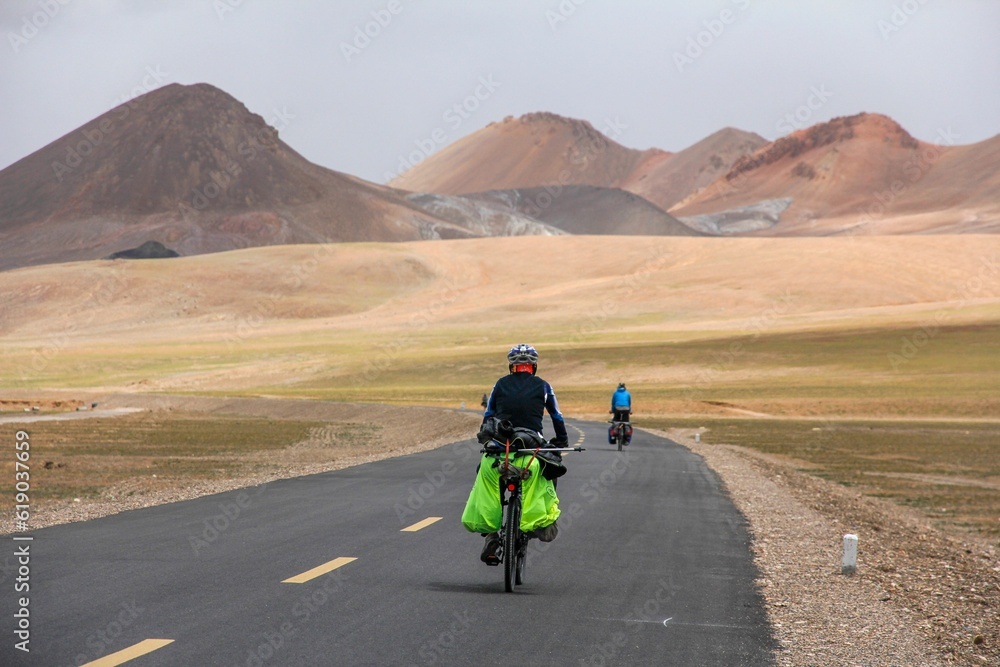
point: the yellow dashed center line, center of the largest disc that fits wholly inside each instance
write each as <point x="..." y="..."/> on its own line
<point x="150" y="645"/>
<point x="421" y="524"/>
<point x="126" y="654"/>
<point x="319" y="571"/>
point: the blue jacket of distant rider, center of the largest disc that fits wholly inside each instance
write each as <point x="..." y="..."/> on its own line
<point x="621" y="400"/>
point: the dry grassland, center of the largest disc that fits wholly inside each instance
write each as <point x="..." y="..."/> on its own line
<point x="848" y="328"/>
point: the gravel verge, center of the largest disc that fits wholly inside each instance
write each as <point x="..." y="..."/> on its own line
<point x="920" y="597"/>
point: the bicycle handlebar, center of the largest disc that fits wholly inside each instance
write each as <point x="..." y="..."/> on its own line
<point x="528" y="450"/>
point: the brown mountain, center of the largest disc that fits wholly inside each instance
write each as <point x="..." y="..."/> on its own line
<point x="192" y="168"/>
<point x="587" y="209"/>
<point x="959" y="185"/>
<point x="536" y="149"/>
<point x="547" y="150"/>
<point x="861" y="172"/>
<point x="668" y="180"/>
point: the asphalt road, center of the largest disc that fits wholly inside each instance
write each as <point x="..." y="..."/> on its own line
<point x="651" y="567"/>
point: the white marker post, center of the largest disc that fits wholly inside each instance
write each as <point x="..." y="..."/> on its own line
<point x="850" y="565"/>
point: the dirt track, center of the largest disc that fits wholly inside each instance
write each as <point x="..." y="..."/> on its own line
<point x="66" y="416"/>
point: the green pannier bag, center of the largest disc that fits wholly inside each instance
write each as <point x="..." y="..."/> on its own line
<point x="539" y="503"/>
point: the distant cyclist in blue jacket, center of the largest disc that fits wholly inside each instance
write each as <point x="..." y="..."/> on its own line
<point x="621" y="408"/>
<point x="621" y="403"/>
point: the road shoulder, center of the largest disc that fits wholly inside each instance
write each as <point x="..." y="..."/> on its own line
<point x="919" y="597"/>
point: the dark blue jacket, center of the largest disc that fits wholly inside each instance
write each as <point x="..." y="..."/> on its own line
<point x="524" y="398"/>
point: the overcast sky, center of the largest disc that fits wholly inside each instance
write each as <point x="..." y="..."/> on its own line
<point x="360" y="86"/>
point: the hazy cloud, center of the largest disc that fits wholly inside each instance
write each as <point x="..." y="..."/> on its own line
<point x="370" y="82"/>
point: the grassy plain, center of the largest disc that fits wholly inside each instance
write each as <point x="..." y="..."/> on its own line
<point x="949" y="471"/>
<point x="760" y="336"/>
<point x="85" y="458"/>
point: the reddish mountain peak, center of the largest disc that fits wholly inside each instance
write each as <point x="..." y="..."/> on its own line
<point x="734" y="134"/>
<point x="862" y="126"/>
<point x="582" y="131"/>
<point x="532" y="150"/>
<point x="546" y="117"/>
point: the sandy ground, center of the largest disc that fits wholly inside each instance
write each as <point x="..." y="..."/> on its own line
<point x="643" y="284"/>
<point x="294" y="315"/>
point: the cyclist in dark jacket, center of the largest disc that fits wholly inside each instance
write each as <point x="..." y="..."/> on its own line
<point x="522" y="398"/>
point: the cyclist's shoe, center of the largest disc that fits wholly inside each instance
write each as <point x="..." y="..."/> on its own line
<point x="545" y="533"/>
<point x="490" y="549"/>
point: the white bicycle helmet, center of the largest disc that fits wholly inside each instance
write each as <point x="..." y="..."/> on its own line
<point x="522" y="354"/>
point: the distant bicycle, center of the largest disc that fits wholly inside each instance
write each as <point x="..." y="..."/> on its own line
<point x="620" y="433"/>
<point x="514" y="541"/>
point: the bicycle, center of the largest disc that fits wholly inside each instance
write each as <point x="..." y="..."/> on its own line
<point x="619" y="429"/>
<point x="513" y="540"/>
<point x="621" y="438"/>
